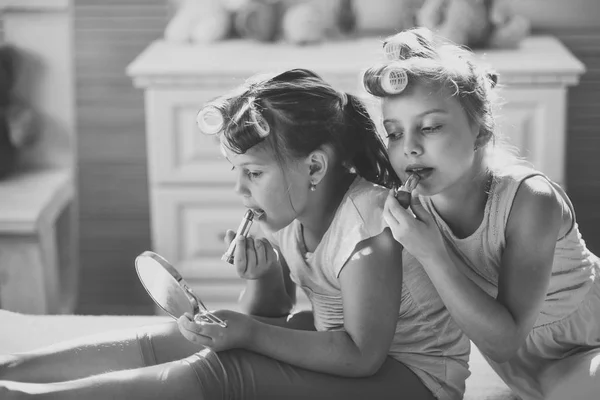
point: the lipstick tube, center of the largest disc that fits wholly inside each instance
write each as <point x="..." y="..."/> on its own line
<point x="243" y="230"/>
<point x="403" y="194"/>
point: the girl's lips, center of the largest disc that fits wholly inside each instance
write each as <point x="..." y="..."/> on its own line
<point x="422" y="172"/>
<point x="258" y="213"/>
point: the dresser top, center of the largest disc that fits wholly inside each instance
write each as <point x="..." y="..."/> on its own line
<point x="30" y="196"/>
<point x="538" y="60"/>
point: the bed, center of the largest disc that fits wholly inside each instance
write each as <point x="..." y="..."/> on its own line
<point x="21" y="332"/>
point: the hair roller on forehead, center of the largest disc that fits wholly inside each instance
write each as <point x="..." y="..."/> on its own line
<point x="385" y="80"/>
<point x="392" y="50"/>
<point x="260" y="123"/>
<point x="407" y="44"/>
<point x="210" y="119"/>
<point x="249" y="119"/>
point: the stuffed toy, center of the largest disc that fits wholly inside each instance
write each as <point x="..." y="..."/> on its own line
<point x="300" y="22"/>
<point x="382" y="17"/>
<point x="16" y="119"/>
<point x="295" y="21"/>
<point x="199" y="21"/>
<point x="303" y="24"/>
<point x="259" y="20"/>
<point x="509" y="28"/>
<point x="474" y="23"/>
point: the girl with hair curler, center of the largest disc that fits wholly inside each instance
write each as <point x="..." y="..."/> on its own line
<point x="498" y="239"/>
<point x="309" y="163"/>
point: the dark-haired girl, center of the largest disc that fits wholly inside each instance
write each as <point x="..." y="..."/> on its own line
<point x="309" y="162"/>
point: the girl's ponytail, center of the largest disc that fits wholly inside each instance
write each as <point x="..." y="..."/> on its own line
<point x="365" y="147"/>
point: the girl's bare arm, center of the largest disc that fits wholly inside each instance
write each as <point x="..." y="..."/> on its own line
<point x="371" y="283"/>
<point x="498" y="326"/>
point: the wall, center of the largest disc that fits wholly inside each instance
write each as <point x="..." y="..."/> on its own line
<point x="112" y="165"/>
<point x="45" y="69"/>
<point x="559" y="14"/>
<point x="583" y="136"/>
<point x="45" y="82"/>
<point x="114" y="214"/>
<point x="576" y="23"/>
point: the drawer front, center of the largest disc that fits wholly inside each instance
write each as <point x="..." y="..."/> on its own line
<point x="191" y="222"/>
<point x="177" y="151"/>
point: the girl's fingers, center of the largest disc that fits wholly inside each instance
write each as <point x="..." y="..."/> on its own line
<point x="399" y="213"/>
<point x="261" y="251"/>
<point x="250" y="254"/>
<point x="197" y="338"/>
<point x="239" y="255"/>
<point x="387" y="206"/>
<point x="390" y="220"/>
<point x="196" y="326"/>
<point x="419" y="210"/>
<point x="270" y="254"/>
<point x="192" y="331"/>
<point x="229" y="235"/>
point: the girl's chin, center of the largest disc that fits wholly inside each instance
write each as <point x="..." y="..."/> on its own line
<point x="273" y="225"/>
<point x="425" y="190"/>
<point x="266" y="223"/>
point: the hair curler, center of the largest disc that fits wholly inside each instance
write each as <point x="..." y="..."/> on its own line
<point x="385" y="80"/>
<point x="210" y="120"/>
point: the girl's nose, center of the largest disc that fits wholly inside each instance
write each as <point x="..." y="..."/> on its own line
<point x="240" y="186"/>
<point x="412" y="144"/>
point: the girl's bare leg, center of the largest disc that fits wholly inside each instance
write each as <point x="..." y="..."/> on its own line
<point x="173" y="380"/>
<point x="92" y="355"/>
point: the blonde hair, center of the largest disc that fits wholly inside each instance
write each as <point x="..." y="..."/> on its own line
<point x="429" y="59"/>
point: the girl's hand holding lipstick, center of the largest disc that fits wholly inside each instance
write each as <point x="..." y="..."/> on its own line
<point x="404" y="192"/>
<point x="253" y="257"/>
<point x="415" y="230"/>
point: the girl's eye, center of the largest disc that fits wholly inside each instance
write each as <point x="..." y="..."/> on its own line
<point x="249" y="174"/>
<point x="394" y="135"/>
<point x="431" y="129"/>
<point x="253" y="175"/>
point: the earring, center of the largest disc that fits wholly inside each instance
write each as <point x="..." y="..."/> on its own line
<point x="313" y="187"/>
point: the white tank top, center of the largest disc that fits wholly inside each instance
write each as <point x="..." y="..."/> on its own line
<point x="574" y="269"/>
<point x="427" y="340"/>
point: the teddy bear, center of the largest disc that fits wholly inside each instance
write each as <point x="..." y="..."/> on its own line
<point x="199" y="21"/>
<point x="16" y="119"/>
<point x="294" y="21"/>
<point x="475" y="23"/>
<point x="510" y="28"/>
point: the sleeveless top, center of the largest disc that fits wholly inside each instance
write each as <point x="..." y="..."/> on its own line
<point x="426" y="340"/>
<point x="574" y="268"/>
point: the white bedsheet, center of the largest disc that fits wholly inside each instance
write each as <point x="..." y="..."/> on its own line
<point x="19" y="332"/>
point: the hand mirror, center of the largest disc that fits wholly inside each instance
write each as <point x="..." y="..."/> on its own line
<point x="166" y="287"/>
